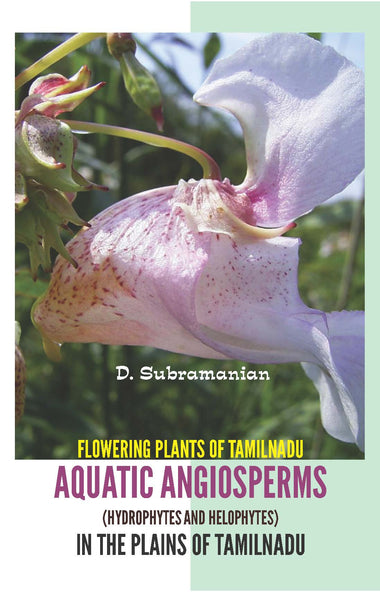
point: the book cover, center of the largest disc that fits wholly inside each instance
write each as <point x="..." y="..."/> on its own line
<point x="191" y="412"/>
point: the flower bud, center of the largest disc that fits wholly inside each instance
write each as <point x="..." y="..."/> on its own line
<point x="119" y="43"/>
<point x="52" y="85"/>
<point x="45" y="152"/>
<point x="142" y="87"/>
<point x="60" y="94"/>
<point x="138" y="81"/>
<point x="46" y="181"/>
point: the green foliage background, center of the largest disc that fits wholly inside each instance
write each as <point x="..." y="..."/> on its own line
<point x="80" y="398"/>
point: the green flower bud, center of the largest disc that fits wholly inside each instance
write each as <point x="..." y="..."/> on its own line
<point x="119" y="43"/>
<point x="138" y="81"/>
<point x="142" y="87"/>
<point x="45" y="152"/>
<point x="46" y="181"/>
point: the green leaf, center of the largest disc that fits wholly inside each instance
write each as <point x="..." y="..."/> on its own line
<point x="211" y="49"/>
<point x="26" y="286"/>
<point x="316" y="36"/>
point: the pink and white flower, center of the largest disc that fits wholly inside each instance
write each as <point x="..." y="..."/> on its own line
<point x="200" y="268"/>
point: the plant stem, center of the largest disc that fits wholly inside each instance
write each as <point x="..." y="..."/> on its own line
<point x="209" y="166"/>
<point x="55" y="55"/>
<point x="349" y="268"/>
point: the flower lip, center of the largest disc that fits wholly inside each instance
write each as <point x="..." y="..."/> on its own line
<point x="216" y="206"/>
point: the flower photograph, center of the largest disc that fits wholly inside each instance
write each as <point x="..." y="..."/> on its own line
<point x="189" y="240"/>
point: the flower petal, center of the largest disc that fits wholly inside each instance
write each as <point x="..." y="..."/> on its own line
<point x="126" y="261"/>
<point x="139" y="266"/>
<point x="147" y="277"/>
<point x="301" y="107"/>
<point x="247" y="302"/>
<point x="342" y="390"/>
<point x="248" y="308"/>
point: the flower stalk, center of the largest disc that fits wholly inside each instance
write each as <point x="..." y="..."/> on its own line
<point x="208" y="164"/>
<point x="54" y="56"/>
